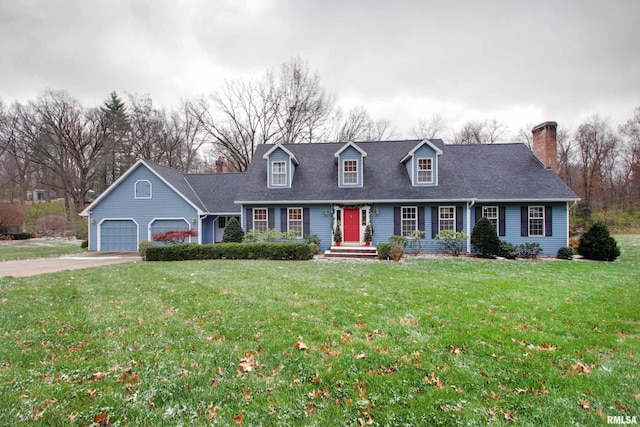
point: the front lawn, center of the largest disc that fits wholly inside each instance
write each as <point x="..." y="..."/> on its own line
<point x="424" y="342"/>
<point x="37" y="248"/>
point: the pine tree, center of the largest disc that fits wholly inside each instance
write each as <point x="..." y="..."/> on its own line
<point x="233" y="232"/>
<point x="597" y="244"/>
<point x="484" y="238"/>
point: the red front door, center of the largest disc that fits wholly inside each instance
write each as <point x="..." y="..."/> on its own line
<point x="351" y="227"/>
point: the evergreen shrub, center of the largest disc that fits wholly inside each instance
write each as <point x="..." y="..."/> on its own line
<point x="565" y="252"/>
<point x="597" y="244"/>
<point x="508" y="250"/>
<point x="233" y="232"/>
<point x="484" y="238"/>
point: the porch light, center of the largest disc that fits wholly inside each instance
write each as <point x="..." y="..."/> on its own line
<point x="193" y="220"/>
<point x="326" y="212"/>
<point x="377" y="211"/>
<point x="93" y="221"/>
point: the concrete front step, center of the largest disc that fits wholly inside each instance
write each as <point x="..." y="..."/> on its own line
<point x="351" y="252"/>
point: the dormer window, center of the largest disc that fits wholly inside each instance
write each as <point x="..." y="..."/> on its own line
<point x="350" y="172"/>
<point x="425" y="171"/>
<point x="278" y="173"/>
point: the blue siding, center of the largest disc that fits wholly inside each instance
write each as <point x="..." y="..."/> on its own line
<point x="349" y="154"/>
<point x="121" y="203"/>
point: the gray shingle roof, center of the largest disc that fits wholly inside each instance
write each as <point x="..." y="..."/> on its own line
<point x="217" y="191"/>
<point x="484" y="172"/>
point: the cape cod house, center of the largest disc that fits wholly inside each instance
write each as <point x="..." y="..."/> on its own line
<point x="395" y="186"/>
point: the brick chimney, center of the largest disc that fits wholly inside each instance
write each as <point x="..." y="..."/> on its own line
<point x="545" y="145"/>
<point x="221" y="165"/>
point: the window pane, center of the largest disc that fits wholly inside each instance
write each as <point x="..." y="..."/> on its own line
<point x="425" y="173"/>
<point x="447" y="218"/>
<point x="295" y="220"/>
<point x="409" y="220"/>
<point x="260" y="219"/>
<point x="350" y="175"/>
<point x="491" y="212"/>
<point x="536" y="221"/>
<point x="279" y="175"/>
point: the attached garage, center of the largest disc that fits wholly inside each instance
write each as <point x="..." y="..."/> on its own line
<point x="118" y="235"/>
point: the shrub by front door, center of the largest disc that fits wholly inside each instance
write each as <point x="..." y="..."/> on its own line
<point x="351" y="227"/>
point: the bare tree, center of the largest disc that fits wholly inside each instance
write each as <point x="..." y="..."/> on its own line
<point x="595" y="144"/>
<point x="357" y="125"/>
<point x="302" y="105"/>
<point x="630" y="159"/>
<point x="481" y="132"/>
<point x="70" y="144"/>
<point x="429" y="128"/>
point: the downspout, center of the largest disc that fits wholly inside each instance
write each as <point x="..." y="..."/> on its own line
<point x="469" y="206"/>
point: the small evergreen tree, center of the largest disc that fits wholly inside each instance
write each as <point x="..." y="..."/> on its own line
<point x="597" y="244"/>
<point x="484" y="238"/>
<point x="233" y="232"/>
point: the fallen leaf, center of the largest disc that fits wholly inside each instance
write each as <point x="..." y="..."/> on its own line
<point x="361" y="356"/>
<point x="584" y="404"/>
<point x="622" y="407"/>
<point x="101" y="419"/>
<point x="509" y="417"/>
<point x="98" y="376"/>
<point x="637" y="396"/>
<point x="581" y="368"/>
<point x="247" y="363"/>
<point x="455" y="350"/>
<point x="301" y="346"/>
<point x="434" y="381"/>
<point x="238" y="419"/>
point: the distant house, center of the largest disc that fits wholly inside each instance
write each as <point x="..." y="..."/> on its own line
<point x="396" y="186"/>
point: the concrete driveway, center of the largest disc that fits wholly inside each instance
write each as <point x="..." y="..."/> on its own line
<point x="32" y="267"/>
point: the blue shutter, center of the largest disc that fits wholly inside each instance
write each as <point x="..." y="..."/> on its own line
<point x="434" y="221"/>
<point x="548" y="221"/>
<point x="478" y="214"/>
<point x="524" y="221"/>
<point x="502" y="217"/>
<point x="397" y="230"/>
<point x="283" y="220"/>
<point x="271" y="220"/>
<point x="249" y="219"/>
<point x="459" y="219"/>
<point x="306" y="222"/>
<point x="421" y="218"/>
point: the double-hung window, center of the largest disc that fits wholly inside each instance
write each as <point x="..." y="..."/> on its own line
<point x="536" y="220"/>
<point x="295" y="220"/>
<point x="447" y="218"/>
<point x="425" y="171"/>
<point x="350" y="172"/>
<point x="278" y="173"/>
<point x="491" y="213"/>
<point x="260" y="219"/>
<point x="409" y="222"/>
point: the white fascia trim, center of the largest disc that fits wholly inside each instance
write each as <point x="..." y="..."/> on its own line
<point x="347" y="145"/>
<point x="420" y="144"/>
<point x="346" y="202"/>
<point x="524" y="200"/>
<point x="104" y="194"/>
<point x="283" y="148"/>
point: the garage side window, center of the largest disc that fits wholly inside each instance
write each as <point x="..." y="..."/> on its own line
<point x="143" y="189"/>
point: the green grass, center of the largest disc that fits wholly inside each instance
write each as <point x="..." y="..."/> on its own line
<point x="38" y="248"/>
<point x="423" y="342"/>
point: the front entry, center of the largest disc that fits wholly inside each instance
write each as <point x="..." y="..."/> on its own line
<point x="351" y="226"/>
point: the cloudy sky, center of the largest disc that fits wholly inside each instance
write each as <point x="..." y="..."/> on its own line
<point x="521" y="62"/>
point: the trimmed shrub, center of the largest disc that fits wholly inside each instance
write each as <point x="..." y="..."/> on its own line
<point x="142" y="248"/>
<point x="233" y="232"/>
<point x="530" y="250"/>
<point x="399" y="240"/>
<point x="383" y="250"/>
<point x="194" y="251"/>
<point x="597" y="244"/>
<point x="484" y="238"/>
<point x="508" y="250"/>
<point x="84" y="244"/>
<point x="565" y="252"/>
<point x="314" y="241"/>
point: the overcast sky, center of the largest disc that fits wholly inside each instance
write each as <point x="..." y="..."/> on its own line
<point x="521" y="62"/>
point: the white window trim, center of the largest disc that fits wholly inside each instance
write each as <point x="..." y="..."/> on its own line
<point x="356" y="172"/>
<point x="301" y="220"/>
<point x="266" y="220"/>
<point x="135" y="189"/>
<point x="284" y="173"/>
<point x="440" y="219"/>
<point x="402" y="219"/>
<point x="542" y="218"/>
<point x="497" y="218"/>
<point x="418" y="170"/>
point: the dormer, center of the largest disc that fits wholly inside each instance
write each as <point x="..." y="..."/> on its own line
<point x="422" y="164"/>
<point x="281" y="165"/>
<point x="350" y="160"/>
